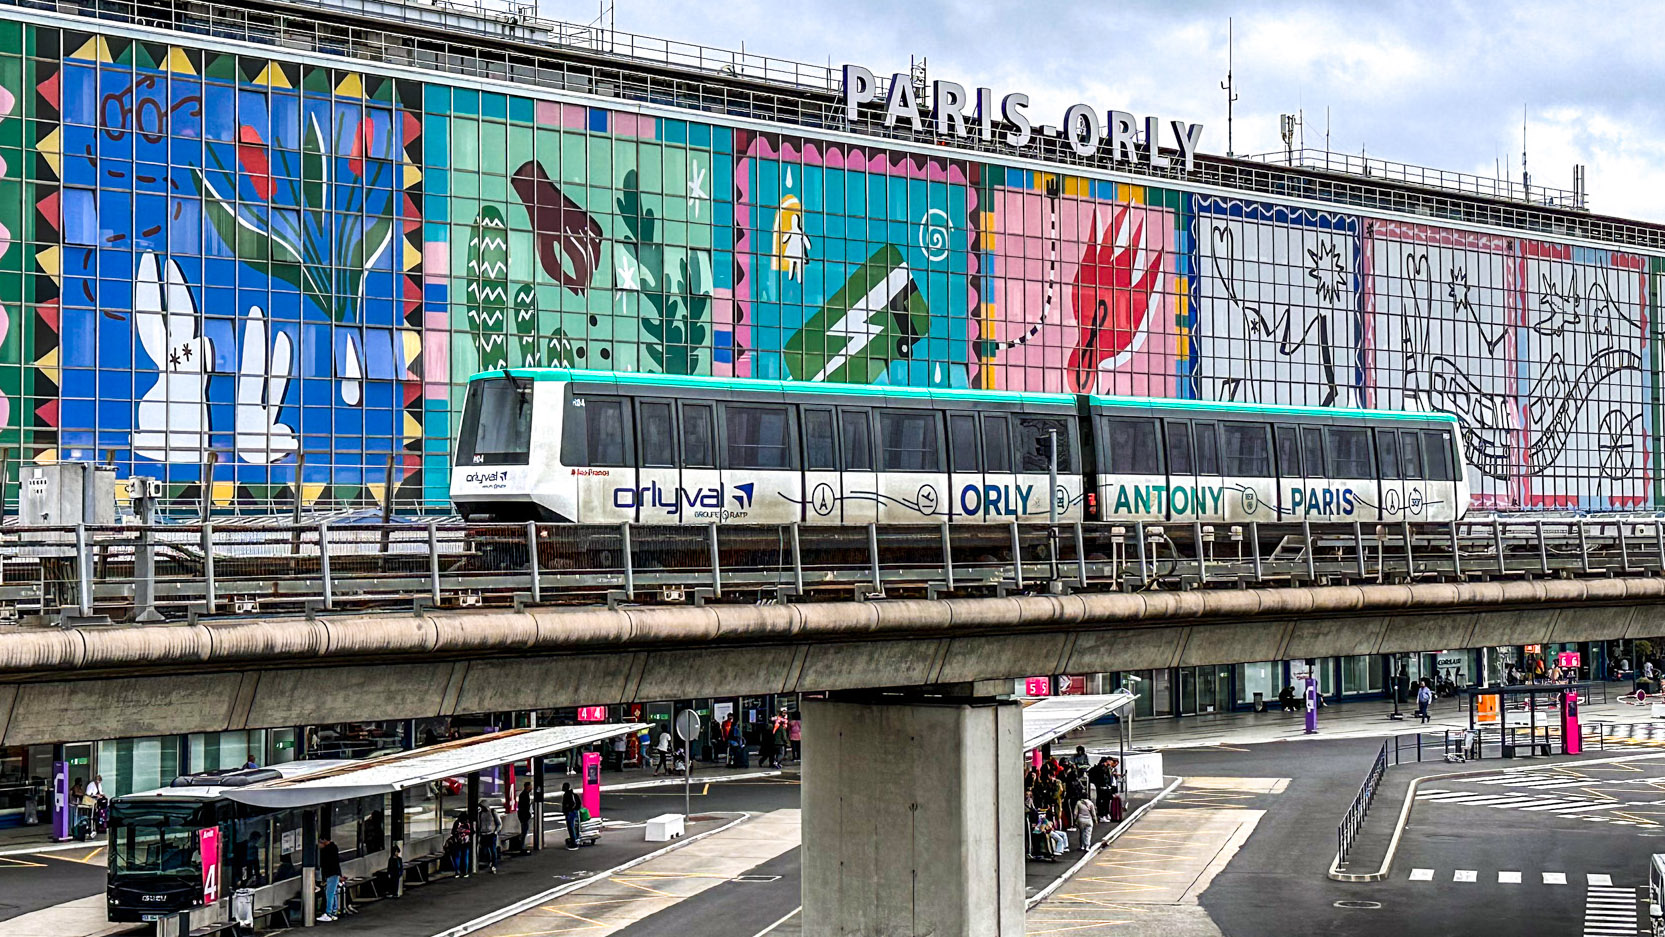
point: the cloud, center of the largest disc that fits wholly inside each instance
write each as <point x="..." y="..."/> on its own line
<point x="1439" y="85"/>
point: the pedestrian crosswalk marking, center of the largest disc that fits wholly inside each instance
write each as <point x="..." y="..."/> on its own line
<point x="1465" y="875"/>
<point x="1609" y="911"/>
<point x="1572" y="806"/>
<point x="1422" y="875"/>
<point x="1555" y="878"/>
<point x="1596" y="879"/>
<point x="1508" y="878"/>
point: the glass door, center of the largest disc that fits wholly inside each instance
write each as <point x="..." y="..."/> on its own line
<point x="1188" y="691"/>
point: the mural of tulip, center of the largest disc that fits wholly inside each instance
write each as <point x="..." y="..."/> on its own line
<point x="1113" y="295"/>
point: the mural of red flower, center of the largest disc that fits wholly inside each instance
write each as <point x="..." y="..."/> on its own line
<point x="1113" y="294"/>
<point x="251" y="153"/>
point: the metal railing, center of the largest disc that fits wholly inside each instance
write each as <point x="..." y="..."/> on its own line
<point x="1352" y="821"/>
<point x="172" y="571"/>
<point x="1357" y="164"/>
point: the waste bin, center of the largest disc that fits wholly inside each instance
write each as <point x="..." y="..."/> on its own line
<point x="242" y="907"/>
<point x="1260" y="702"/>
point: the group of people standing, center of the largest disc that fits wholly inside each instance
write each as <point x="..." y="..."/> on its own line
<point x="1065" y="794"/>
<point x="781" y="738"/>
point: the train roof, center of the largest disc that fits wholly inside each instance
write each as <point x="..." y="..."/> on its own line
<point x="680" y="381"/>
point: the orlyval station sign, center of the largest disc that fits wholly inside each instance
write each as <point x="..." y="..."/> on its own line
<point x="1088" y="131"/>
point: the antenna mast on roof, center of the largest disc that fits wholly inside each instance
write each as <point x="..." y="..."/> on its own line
<point x="1229" y="86"/>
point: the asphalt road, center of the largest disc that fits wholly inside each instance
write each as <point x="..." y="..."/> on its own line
<point x="31" y="882"/>
<point x="743" y="907"/>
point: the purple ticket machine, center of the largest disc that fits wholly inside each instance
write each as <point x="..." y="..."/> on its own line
<point x="63" y="812"/>
<point x="1312" y="705"/>
<point x="1572" y="740"/>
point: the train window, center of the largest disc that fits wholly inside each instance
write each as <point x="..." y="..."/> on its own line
<point x="1289" y="451"/>
<point x="1387" y="452"/>
<point x="1410" y="454"/>
<point x="1208" y="453"/>
<point x="605" y="430"/>
<point x="697" y="450"/>
<point x="757" y="438"/>
<point x="1436" y="455"/>
<point x="1245" y="450"/>
<point x="908" y="441"/>
<point x="1034" y="444"/>
<point x="858" y="440"/>
<point x="1179" y="448"/>
<point x="997" y="444"/>
<point x="820" y="455"/>
<point x="1133" y="449"/>
<point x="962" y="443"/>
<point x="1312" y="449"/>
<point x="1350" y="453"/>
<point x="657" y="447"/>
<point x="497" y="423"/>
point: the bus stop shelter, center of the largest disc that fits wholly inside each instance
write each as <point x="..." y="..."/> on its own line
<point x="1526" y="719"/>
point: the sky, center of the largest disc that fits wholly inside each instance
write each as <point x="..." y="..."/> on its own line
<point x="1438" y="84"/>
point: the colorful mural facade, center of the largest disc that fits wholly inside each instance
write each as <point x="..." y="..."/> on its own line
<point x="263" y="280"/>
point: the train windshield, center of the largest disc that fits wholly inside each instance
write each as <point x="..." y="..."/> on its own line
<point x="497" y="423"/>
<point x="156" y="838"/>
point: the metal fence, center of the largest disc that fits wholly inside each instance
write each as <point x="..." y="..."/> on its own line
<point x="1353" y="820"/>
<point x="172" y="571"/>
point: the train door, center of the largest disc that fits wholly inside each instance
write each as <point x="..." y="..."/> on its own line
<point x="823" y="484"/>
<point x="999" y="480"/>
<point x="659" y="491"/>
<point x="1249" y="479"/>
<point x="968" y="500"/>
<point x="1439" y="462"/>
<point x="702" y="482"/>
<point x="1033" y="435"/>
<point x="1129" y="469"/>
<point x="761" y="481"/>
<point x="1410" y="469"/>
<point x="1210" y="493"/>
<point x="1291" y="480"/>
<point x="1391" y="500"/>
<point x="1182" y="471"/>
<point x="859" y="482"/>
<point x="912" y="483"/>
<point x="606" y="489"/>
<point x="1351" y="473"/>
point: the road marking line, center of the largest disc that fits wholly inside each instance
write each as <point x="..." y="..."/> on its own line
<point x="1596" y="878"/>
<point x="1422" y="875"/>
<point x="789" y="916"/>
<point x="1465" y="875"/>
<point x="1508" y="878"/>
<point x="1555" y="878"/>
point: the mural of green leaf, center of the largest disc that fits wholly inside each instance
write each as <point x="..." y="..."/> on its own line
<point x="488" y="287"/>
<point x="874" y="318"/>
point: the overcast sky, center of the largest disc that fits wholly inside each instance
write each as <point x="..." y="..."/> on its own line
<point x="1435" y="84"/>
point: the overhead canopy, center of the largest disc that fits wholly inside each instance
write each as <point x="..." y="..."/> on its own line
<point x="1049" y="718"/>
<point x="396" y="772"/>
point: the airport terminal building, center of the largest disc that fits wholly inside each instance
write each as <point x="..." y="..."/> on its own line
<point x="256" y="249"/>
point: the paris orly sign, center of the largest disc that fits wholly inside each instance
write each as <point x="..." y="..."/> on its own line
<point x="1127" y="138"/>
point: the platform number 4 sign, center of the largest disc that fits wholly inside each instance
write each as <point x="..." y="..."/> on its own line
<point x="208" y="845"/>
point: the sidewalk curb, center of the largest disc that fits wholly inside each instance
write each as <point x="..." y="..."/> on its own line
<point x="508" y="911"/>
<point x="1410" y="799"/>
<point x="52" y="847"/>
<point x="1112" y="836"/>
<point x="666" y="782"/>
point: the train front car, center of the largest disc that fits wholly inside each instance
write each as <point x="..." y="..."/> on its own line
<point x="1198" y="461"/>
<point x="507" y="461"/>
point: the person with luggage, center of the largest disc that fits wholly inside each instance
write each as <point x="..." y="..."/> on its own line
<point x="571" y="803"/>
<point x="779" y="730"/>
<point x="1114" y="770"/>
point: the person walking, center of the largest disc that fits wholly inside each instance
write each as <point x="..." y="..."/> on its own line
<point x="663" y="749"/>
<point x="780" y="728"/>
<point x="1084" y="823"/>
<point x="486" y="827"/>
<point x="1424" y="696"/>
<point x="1099" y="776"/>
<point x="570" y="804"/>
<point x="329" y="866"/>
<point x="795" y="734"/>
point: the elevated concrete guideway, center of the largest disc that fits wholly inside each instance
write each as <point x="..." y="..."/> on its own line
<point x="225" y="674"/>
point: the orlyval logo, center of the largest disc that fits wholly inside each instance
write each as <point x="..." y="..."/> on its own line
<point x="743" y="495"/>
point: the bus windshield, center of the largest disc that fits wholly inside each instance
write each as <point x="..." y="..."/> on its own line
<point x="155" y="838"/>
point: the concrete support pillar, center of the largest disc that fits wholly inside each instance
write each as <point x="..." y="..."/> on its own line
<point x="913" y="818"/>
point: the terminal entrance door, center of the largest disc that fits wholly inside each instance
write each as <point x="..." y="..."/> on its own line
<point x="1204" y="690"/>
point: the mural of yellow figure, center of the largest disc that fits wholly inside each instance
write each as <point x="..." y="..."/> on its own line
<point x="791" y="243"/>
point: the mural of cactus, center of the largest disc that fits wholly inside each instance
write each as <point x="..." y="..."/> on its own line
<point x="488" y="288"/>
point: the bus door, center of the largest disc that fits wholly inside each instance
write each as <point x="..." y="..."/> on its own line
<point x="761" y="480"/>
<point x="858" y="482"/>
<point x="1182" y="495"/>
<point x="659" y="493"/>
<point x="605" y="487"/>
<point x="823" y="484"/>
<point x="1291" y="478"/>
<point x="702" y="482"/>
<point x="968" y="499"/>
